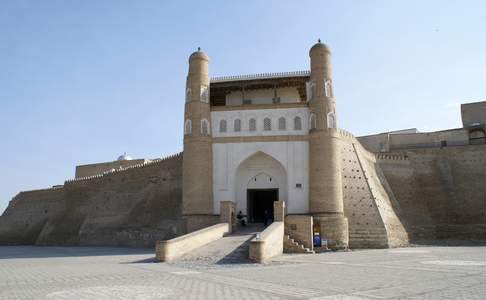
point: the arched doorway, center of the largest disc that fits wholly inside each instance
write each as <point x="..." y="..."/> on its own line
<point x="477" y="137"/>
<point x="260" y="180"/>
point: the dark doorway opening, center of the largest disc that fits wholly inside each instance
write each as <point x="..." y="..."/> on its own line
<point x="259" y="201"/>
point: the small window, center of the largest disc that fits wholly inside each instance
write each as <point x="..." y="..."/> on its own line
<point x="281" y="123"/>
<point x="328" y="88"/>
<point x="297" y="123"/>
<point x="252" y="125"/>
<point x="331" y="120"/>
<point x="237" y="125"/>
<point x="204" y="127"/>
<point x="204" y="94"/>
<point x="222" y="126"/>
<point x="310" y="90"/>
<point x="313" y="122"/>
<point x="188" y="127"/>
<point x="267" y="124"/>
<point x="188" y="94"/>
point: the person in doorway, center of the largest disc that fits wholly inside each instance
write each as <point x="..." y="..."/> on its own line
<point x="266" y="218"/>
<point x="241" y="218"/>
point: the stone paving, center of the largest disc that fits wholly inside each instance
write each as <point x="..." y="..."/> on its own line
<point x="113" y="273"/>
<point x="230" y="251"/>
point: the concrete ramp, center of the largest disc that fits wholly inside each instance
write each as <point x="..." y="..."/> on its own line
<point x="231" y="249"/>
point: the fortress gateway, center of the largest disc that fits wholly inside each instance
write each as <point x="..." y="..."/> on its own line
<point x="256" y="139"/>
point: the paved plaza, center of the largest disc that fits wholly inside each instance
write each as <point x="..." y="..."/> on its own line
<point x="114" y="273"/>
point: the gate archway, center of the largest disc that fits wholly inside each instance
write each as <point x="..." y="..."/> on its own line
<point x="260" y="180"/>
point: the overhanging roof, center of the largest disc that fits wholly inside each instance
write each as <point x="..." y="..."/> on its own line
<point x="260" y="76"/>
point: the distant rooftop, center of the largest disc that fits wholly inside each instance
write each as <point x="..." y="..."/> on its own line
<point x="404" y="131"/>
<point x="394" y="132"/>
<point x="473" y="114"/>
<point x="260" y="76"/>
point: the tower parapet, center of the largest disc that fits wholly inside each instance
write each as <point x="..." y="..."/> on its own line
<point x="325" y="195"/>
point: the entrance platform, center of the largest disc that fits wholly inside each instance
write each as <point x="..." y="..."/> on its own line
<point x="231" y="249"/>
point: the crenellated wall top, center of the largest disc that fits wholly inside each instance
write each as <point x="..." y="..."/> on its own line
<point x="382" y="156"/>
<point x="145" y="164"/>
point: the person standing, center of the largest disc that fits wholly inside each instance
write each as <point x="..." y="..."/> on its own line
<point x="266" y="218"/>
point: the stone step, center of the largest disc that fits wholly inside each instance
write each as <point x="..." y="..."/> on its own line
<point x="367" y="231"/>
<point x="367" y="245"/>
<point x="382" y="241"/>
<point x="359" y="237"/>
<point x="292" y="246"/>
<point x="367" y="234"/>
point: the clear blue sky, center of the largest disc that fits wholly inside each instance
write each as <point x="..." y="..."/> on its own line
<point x="84" y="81"/>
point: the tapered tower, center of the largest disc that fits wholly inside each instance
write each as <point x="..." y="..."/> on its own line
<point x="325" y="195"/>
<point x="197" y="194"/>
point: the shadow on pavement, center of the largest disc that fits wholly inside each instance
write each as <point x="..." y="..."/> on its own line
<point x="149" y="260"/>
<point x="238" y="256"/>
<point x="8" y="252"/>
<point x="449" y="243"/>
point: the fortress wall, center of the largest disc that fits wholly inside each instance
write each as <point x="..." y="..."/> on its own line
<point x="366" y="228"/>
<point x="134" y="207"/>
<point x="131" y="207"/>
<point x="376" y="142"/>
<point x="441" y="191"/>
<point x="99" y="168"/>
<point x="27" y="213"/>
<point x="384" y="199"/>
<point x="429" y="139"/>
<point x="399" y="173"/>
<point x="368" y="202"/>
<point x="394" y="141"/>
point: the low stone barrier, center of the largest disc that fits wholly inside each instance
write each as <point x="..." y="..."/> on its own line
<point x="269" y="243"/>
<point x="172" y="249"/>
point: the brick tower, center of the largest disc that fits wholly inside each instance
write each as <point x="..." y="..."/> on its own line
<point x="197" y="194"/>
<point x="325" y="195"/>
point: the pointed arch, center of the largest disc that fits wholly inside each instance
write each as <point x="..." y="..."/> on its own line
<point x="259" y="171"/>
<point x="252" y="124"/>
<point x="188" y="126"/>
<point x="331" y="120"/>
<point x="477" y="137"/>
<point x="237" y="125"/>
<point x="328" y="88"/>
<point x="282" y="123"/>
<point x="313" y="121"/>
<point x="267" y="124"/>
<point x="205" y="127"/>
<point x="188" y="94"/>
<point x="222" y="126"/>
<point x="297" y="123"/>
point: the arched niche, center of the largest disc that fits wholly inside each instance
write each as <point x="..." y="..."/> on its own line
<point x="477" y="137"/>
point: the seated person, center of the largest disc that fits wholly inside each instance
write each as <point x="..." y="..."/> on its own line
<point x="241" y="218"/>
